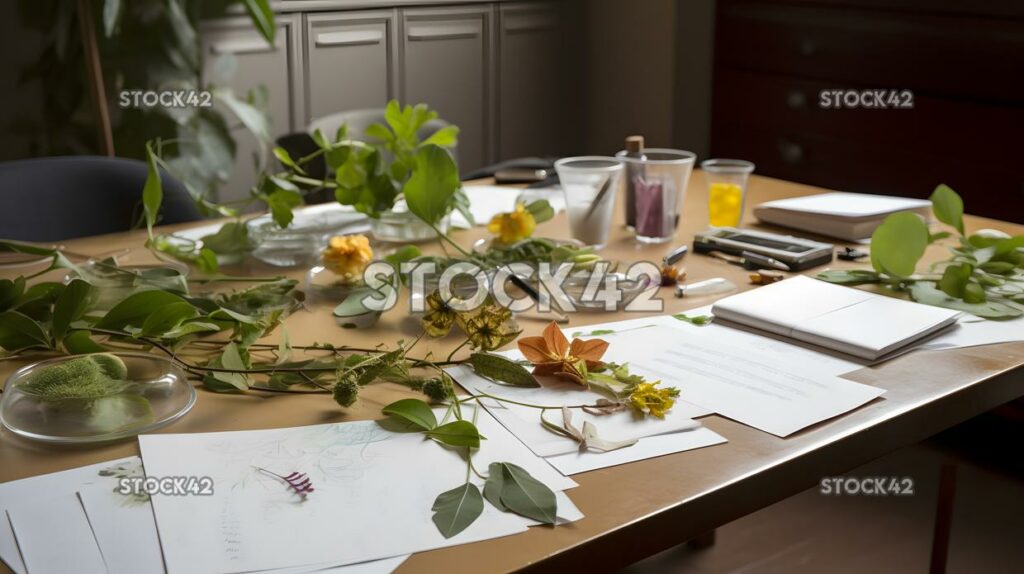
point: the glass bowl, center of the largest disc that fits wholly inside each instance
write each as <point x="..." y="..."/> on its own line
<point x="115" y="282"/>
<point x="157" y="394"/>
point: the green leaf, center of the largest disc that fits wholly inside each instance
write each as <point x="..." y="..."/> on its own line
<point x="251" y="117"/>
<point x="948" y="207"/>
<point x="447" y="136"/>
<point x="973" y="294"/>
<point x="111" y="16"/>
<point x="415" y="411"/>
<point x="118" y="412"/>
<point x="850" y="277"/>
<point x="136" y="308"/>
<point x="231" y="358"/>
<point x="926" y="292"/>
<point x="955" y="278"/>
<point x="898" y="244"/>
<point x="80" y="343"/>
<point x="262" y="17"/>
<point x="191" y="328"/>
<point x="698" y="320"/>
<point x="380" y="132"/>
<point x="495" y="484"/>
<point x="152" y="190"/>
<point x="432" y="184"/>
<point x="18" y="331"/>
<point x="281" y="203"/>
<point x="525" y="495"/>
<point x="541" y="210"/>
<point x="502" y="369"/>
<point x="57" y="259"/>
<point x="285" y="158"/>
<point x="72" y="303"/>
<point x="167" y="318"/>
<point x="404" y="254"/>
<point x="456" y="509"/>
<point x="457" y="433"/>
<point x="10" y="292"/>
<point x="231" y="238"/>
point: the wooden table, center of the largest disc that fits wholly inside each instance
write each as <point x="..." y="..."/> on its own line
<point x="635" y="510"/>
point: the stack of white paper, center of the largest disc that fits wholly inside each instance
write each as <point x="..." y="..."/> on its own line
<point x="373" y="494"/>
<point x="370" y="508"/>
<point x="850" y="216"/>
<point x="78" y="521"/>
<point x="854" y="321"/>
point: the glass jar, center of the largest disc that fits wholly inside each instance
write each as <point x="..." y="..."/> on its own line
<point x="400" y="226"/>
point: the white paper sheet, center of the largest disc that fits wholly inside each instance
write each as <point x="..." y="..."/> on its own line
<point x="374" y="490"/>
<point x="770" y="392"/>
<point x="524" y="422"/>
<point x="125" y="530"/>
<point x="54" y="536"/>
<point x="65" y="482"/>
<point x="973" y="331"/>
<point x="648" y="447"/>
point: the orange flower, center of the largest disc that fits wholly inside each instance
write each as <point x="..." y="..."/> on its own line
<point x="552" y="354"/>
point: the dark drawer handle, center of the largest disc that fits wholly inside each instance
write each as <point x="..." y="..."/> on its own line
<point x="796" y="100"/>
<point x="791" y="152"/>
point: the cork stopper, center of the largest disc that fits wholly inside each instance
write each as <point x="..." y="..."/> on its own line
<point x="634" y="144"/>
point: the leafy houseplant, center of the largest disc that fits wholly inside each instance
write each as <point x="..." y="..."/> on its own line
<point x="143" y="45"/>
<point x="373" y="177"/>
<point x="985" y="276"/>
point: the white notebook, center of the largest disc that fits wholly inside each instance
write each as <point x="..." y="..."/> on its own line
<point x="850" y="216"/>
<point x="853" y="321"/>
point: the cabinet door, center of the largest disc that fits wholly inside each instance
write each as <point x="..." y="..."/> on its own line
<point x="351" y="61"/>
<point x="533" y="105"/>
<point x="447" y="65"/>
<point x="237" y="56"/>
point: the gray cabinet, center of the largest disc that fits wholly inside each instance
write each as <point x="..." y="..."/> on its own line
<point x="351" y="61"/>
<point x="447" y="55"/>
<point x="237" y="56"/>
<point x="533" y="88"/>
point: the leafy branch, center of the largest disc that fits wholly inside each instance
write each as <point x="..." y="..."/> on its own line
<point x="984" y="276"/>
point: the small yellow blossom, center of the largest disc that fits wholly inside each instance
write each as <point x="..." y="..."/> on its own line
<point x="348" y="256"/>
<point x="512" y="227"/>
<point x="439" y="318"/>
<point x="489" y="326"/>
<point x="646" y="398"/>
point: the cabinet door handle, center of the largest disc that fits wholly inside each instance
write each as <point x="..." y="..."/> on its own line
<point x="247" y="46"/>
<point x="530" y="22"/>
<point x="796" y="99"/>
<point x="790" y="151"/>
<point x="350" y="38"/>
<point x="444" y="32"/>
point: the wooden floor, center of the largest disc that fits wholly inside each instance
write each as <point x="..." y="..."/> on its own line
<point x="815" y="533"/>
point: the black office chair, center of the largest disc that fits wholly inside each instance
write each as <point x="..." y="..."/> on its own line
<point x="56" y="198"/>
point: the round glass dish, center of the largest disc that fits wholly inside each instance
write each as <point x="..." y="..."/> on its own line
<point x="115" y="282"/>
<point x="157" y="393"/>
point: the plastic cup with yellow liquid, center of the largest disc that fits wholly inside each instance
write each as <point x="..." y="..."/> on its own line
<point x="727" y="190"/>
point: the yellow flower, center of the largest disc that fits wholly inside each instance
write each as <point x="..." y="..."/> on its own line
<point x="439" y="317"/>
<point x="512" y="227"/>
<point x="489" y="326"/>
<point x="348" y="256"/>
<point x="656" y="402"/>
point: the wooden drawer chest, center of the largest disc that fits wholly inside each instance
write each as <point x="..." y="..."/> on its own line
<point x="963" y="63"/>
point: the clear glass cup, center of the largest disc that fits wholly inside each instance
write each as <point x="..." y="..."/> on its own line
<point x="727" y="190"/>
<point x="658" y="179"/>
<point x="590" y="184"/>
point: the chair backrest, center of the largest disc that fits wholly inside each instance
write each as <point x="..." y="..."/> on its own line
<point x="56" y="198"/>
<point x="359" y="120"/>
